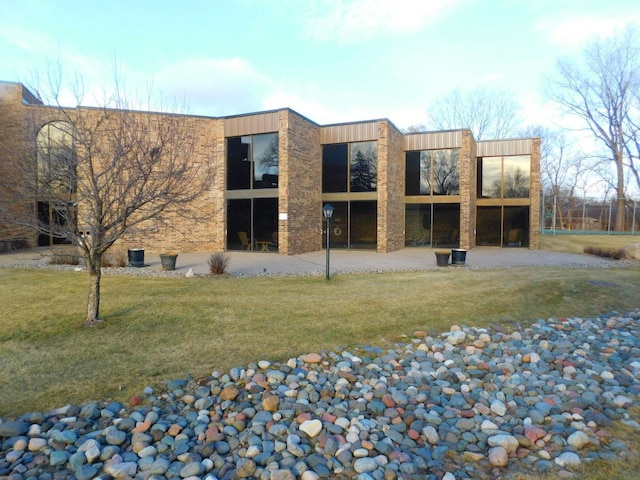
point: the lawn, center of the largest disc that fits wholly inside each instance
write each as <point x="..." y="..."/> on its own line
<point x="157" y="329"/>
<point x="575" y="243"/>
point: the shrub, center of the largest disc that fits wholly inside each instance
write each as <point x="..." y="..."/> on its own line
<point x="218" y="263"/>
<point x="117" y="258"/>
<point x="609" y="252"/>
<point x="64" y="259"/>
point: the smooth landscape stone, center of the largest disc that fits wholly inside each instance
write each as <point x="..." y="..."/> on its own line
<point x="365" y="465"/>
<point x="498" y="456"/>
<point x="36" y="444"/>
<point x="498" y="408"/>
<point x="58" y="457"/>
<point x="311" y="427"/>
<point x="13" y="429"/>
<point x="543" y="400"/>
<point x="568" y="459"/>
<point x="508" y="442"/>
<point x="578" y="440"/>
<point x="121" y="470"/>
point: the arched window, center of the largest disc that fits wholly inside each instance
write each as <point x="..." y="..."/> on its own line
<point x="57" y="182"/>
<point x="57" y="173"/>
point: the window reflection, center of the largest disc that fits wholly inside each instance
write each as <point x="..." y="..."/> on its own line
<point x="491" y="175"/>
<point x="434" y="172"/>
<point x="252" y="155"/>
<point x="504" y="177"/>
<point x="56" y="158"/>
<point x="265" y="161"/>
<point x="364" y="167"/>
<point x="446" y="172"/>
<point x="516" y="177"/>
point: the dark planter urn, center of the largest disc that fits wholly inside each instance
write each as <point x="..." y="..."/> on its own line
<point x="168" y="261"/>
<point x="442" y="258"/>
<point x="135" y="256"/>
<point x="458" y="256"/>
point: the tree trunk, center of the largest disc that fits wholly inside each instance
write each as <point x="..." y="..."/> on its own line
<point x="94" y="264"/>
<point x="619" y="223"/>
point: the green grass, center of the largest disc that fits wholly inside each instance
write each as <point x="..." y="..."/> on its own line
<point x="157" y="329"/>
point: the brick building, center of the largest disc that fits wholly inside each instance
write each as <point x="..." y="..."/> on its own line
<point x="276" y="170"/>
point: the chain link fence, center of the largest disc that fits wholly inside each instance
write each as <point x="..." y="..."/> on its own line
<point x="588" y="215"/>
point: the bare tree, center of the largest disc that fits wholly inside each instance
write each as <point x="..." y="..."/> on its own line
<point x="488" y="112"/>
<point x="104" y="173"/>
<point x="602" y="90"/>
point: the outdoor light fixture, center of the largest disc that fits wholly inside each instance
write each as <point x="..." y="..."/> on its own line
<point x="327" y="211"/>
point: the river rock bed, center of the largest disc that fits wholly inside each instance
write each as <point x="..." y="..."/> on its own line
<point x="468" y="403"/>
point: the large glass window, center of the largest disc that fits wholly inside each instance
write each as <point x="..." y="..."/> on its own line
<point x="433" y="172"/>
<point x="502" y="226"/>
<point x="335" y="165"/>
<point x="364" y="167"/>
<point x="252" y="162"/>
<point x="349" y="167"/>
<point x="57" y="182"/>
<point x="252" y="224"/>
<point x="418" y="225"/>
<point x="488" y="226"/>
<point x="354" y="225"/>
<point x="436" y="224"/>
<point x="504" y="177"/>
<point x="265" y="161"/>
<point x="517" y="177"/>
<point x="57" y="172"/>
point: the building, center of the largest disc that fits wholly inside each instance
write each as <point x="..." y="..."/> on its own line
<point x="277" y="169"/>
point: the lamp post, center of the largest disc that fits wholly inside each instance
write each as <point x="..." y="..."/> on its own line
<point x="327" y="211"/>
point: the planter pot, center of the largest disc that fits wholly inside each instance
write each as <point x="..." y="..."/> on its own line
<point x="135" y="257"/>
<point x="458" y="256"/>
<point x="442" y="259"/>
<point x="168" y="261"/>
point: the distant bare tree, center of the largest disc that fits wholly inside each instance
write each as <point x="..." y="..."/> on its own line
<point x="103" y="172"/>
<point x="564" y="168"/>
<point x="415" y="128"/>
<point x="490" y="113"/>
<point x="446" y="172"/>
<point x="602" y="89"/>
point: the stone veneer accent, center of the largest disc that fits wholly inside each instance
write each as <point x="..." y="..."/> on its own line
<point x="391" y="172"/>
<point x="534" y="196"/>
<point x="467" y="190"/>
<point x="300" y="185"/>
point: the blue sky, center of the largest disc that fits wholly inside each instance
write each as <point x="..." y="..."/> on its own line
<point x="330" y="60"/>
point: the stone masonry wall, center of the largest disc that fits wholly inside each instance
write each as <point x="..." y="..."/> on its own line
<point x="17" y="204"/>
<point x="201" y="227"/>
<point x="391" y="168"/>
<point x="534" y="195"/>
<point x="300" y="189"/>
<point x="467" y="190"/>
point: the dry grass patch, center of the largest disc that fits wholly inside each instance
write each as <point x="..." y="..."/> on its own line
<point x="627" y="467"/>
<point x="577" y="243"/>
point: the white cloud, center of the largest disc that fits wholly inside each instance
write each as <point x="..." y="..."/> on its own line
<point x="216" y="86"/>
<point x="573" y="32"/>
<point x="28" y="41"/>
<point x="354" y="21"/>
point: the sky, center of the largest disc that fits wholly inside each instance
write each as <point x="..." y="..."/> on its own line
<point x="332" y="61"/>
